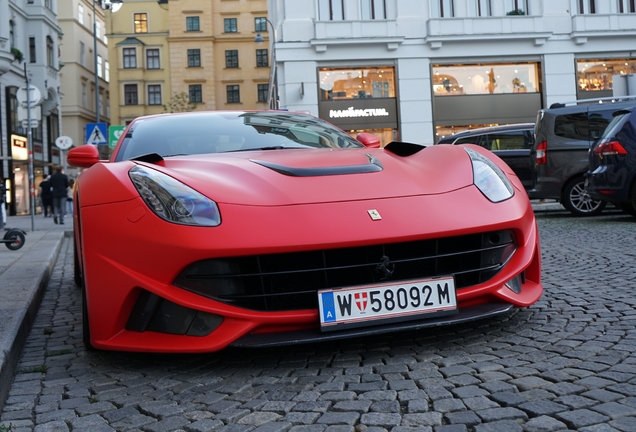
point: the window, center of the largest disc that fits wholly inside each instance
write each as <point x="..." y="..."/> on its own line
<point x="347" y="83"/>
<point x="100" y="62"/>
<point x="233" y="94"/>
<point x="154" y="94"/>
<point x="260" y="24"/>
<point x="84" y="99"/>
<point x="131" y="96"/>
<point x="192" y="23"/>
<point x="194" y="58"/>
<point x="195" y="92"/>
<point x="48" y="4"/>
<point x="443" y="8"/>
<point x="479" y="8"/>
<point x="626" y="6"/>
<point x="50" y="52"/>
<point x="330" y="10"/>
<point x="11" y="34"/>
<point x="511" y="140"/>
<point x="31" y="50"/>
<point x="373" y="9"/>
<point x="597" y="75"/>
<point x="98" y="29"/>
<point x="263" y="92"/>
<point x="231" y="59"/>
<point x="130" y="58"/>
<point x="152" y="58"/>
<point x="141" y="22"/>
<point x="80" y="14"/>
<point x="261" y="58"/>
<point x="229" y="25"/>
<point x="82" y="54"/>
<point x="518" y="7"/>
<point x="107" y="71"/>
<point x="493" y="78"/>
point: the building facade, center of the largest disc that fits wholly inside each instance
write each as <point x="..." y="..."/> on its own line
<point x="418" y="70"/>
<point x="83" y="25"/>
<point x="29" y="48"/>
<point x="187" y="55"/>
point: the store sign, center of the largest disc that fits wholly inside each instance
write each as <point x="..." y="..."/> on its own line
<point x="360" y="113"/>
<point x="19" y="149"/>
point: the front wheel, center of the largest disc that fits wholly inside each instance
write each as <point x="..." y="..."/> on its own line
<point x="14" y="239"/>
<point x="579" y="202"/>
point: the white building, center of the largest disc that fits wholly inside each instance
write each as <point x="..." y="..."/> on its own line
<point x="413" y="70"/>
<point x="29" y="36"/>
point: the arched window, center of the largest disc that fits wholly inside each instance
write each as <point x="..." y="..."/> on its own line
<point x="50" y="53"/>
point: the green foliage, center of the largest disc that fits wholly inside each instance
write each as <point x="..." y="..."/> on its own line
<point x="516" y="12"/>
<point x="180" y="102"/>
<point x="41" y="369"/>
<point x="17" y="54"/>
<point x="5" y="428"/>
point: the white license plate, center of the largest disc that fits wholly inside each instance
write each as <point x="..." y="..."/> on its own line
<point x="368" y="305"/>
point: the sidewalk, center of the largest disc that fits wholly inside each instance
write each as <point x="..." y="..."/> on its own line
<point x="24" y="274"/>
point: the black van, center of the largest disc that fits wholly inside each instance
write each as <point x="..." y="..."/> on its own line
<point x="564" y="134"/>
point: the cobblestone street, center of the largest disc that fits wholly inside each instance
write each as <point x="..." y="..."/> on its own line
<point x="566" y="363"/>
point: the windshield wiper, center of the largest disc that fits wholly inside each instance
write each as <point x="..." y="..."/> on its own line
<point x="279" y="147"/>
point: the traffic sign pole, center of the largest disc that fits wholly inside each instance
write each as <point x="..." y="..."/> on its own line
<point x="30" y="149"/>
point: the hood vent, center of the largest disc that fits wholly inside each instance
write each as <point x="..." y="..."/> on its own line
<point x="374" y="165"/>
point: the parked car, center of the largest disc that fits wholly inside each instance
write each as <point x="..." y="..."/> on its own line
<point x="511" y="142"/>
<point x="268" y="228"/>
<point x="612" y="162"/>
<point x="563" y="136"/>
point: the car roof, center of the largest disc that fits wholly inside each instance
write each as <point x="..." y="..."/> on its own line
<point x="489" y="129"/>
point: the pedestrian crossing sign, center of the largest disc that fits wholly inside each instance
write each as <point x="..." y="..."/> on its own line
<point x="96" y="134"/>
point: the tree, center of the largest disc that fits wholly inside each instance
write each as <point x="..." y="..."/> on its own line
<point x="180" y="102"/>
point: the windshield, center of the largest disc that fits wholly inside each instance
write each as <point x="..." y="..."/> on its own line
<point x="221" y="132"/>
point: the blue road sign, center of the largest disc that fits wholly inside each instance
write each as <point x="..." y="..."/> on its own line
<point x="96" y="134"/>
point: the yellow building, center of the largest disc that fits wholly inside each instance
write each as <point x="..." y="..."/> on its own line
<point x="139" y="59"/>
<point x="187" y="55"/>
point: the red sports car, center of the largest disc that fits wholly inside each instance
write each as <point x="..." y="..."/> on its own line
<point x="210" y="229"/>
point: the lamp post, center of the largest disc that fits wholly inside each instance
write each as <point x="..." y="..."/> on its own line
<point x="272" y="97"/>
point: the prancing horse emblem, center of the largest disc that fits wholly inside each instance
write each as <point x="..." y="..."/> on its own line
<point x="374" y="214"/>
<point x="385" y="268"/>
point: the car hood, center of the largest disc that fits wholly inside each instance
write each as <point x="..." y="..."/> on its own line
<point x="303" y="176"/>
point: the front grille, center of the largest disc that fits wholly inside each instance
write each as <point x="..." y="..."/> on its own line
<point x="289" y="281"/>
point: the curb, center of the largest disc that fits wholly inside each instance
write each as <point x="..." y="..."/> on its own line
<point x="23" y="286"/>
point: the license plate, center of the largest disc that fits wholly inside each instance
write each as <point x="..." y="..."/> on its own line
<point x="377" y="304"/>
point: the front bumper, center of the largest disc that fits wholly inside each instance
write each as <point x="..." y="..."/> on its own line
<point x="127" y="250"/>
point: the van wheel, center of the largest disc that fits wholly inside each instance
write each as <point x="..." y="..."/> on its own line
<point x="578" y="201"/>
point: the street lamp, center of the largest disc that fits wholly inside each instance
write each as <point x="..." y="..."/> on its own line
<point x="272" y="98"/>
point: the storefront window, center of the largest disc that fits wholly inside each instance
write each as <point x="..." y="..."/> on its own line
<point x="485" y="79"/>
<point x="363" y="83"/>
<point x="596" y="75"/>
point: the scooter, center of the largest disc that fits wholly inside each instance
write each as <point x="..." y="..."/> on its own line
<point x="14" y="238"/>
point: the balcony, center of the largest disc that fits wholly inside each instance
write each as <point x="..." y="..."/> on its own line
<point x="356" y="33"/>
<point x="598" y="25"/>
<point x="517" y="27"/>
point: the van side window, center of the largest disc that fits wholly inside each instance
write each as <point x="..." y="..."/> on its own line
<point x="513" y="140"/>
<point x="573" y="126"/>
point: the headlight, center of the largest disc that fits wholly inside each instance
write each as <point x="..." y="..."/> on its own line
<point x="489" y="179"/>
<point x="172" y="200"/>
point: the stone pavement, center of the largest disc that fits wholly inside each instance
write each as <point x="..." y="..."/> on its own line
<point x="24" y="274"/>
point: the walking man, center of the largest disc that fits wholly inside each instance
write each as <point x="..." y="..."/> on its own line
<point x="59" y="183"/>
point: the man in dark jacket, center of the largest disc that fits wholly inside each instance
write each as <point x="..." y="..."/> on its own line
<point x="59" y="183"/>
<point x="46" y="196"/>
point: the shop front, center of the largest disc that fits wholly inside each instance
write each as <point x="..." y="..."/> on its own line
<point x="595" y="77"/>
<point x="469" y="96"/>
<point x="360" y="100"/>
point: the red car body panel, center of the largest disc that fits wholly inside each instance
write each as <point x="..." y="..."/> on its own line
<point x="124" y="247"/>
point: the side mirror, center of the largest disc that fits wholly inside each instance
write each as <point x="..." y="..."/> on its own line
<point x="84" y="156"/>
<point x="368" y="139"/>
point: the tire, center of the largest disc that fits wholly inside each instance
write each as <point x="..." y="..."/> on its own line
<point x="627" y="208"/>
<point x="576" y="199"/>
<point x="86" y="329"/>
<point x="78" y="278"/>
<point x="16" y="238"/>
